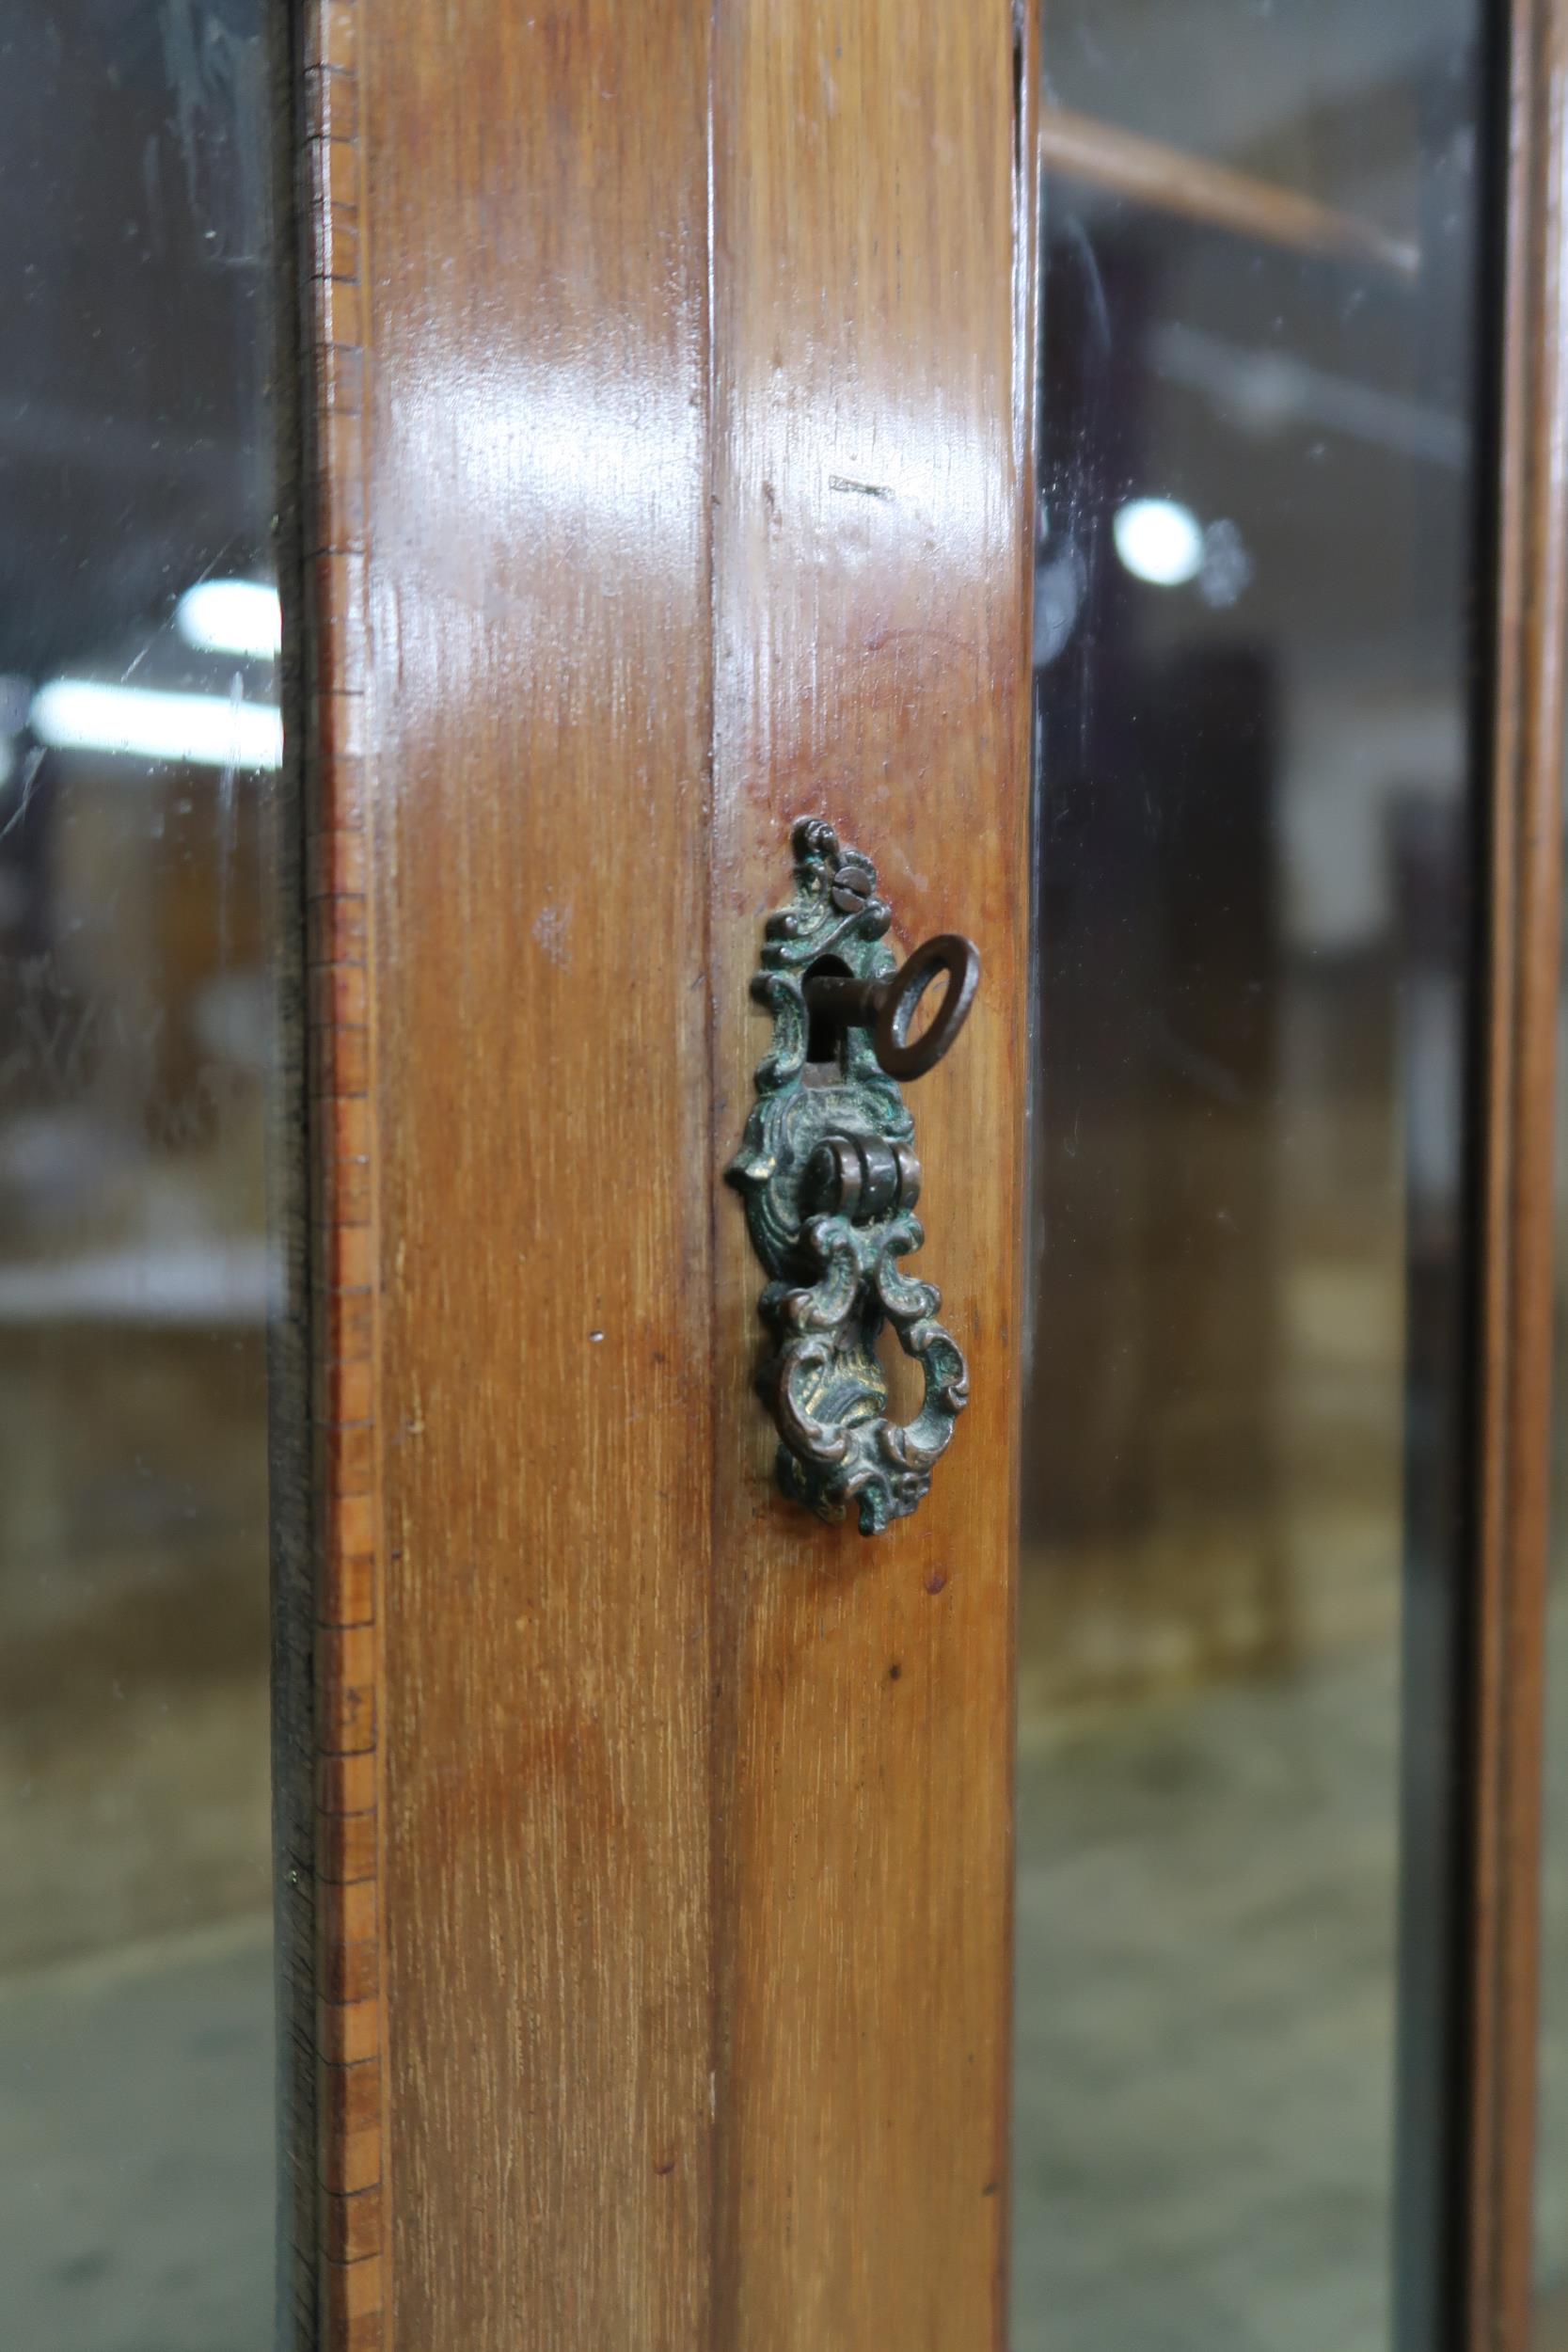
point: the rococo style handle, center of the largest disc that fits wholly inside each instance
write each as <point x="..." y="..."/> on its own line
<point x="830" y="1184"/>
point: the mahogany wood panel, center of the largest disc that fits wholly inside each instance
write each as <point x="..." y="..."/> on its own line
<point x="1516" y="1325"/>
<point x="535" y="214"/>
<point x="664" y="1834"/>
<point x="872" y="515"/>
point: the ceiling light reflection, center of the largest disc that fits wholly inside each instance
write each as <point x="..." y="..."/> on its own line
<point x="235" y="616"/>
<point x="1158" y="540"/>
<point x="207" y="730"/>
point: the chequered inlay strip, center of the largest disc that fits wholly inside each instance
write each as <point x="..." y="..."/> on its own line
<point x="348" y="1997"/>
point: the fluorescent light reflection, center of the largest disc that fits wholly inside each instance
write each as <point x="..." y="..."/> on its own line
<point x="235" y="616"/>
<point x="207" y="730"/>
<point x="1159" y="541"/>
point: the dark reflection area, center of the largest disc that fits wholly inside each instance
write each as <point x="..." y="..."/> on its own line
<point x="1244" y="1535"/>
<point x="138" y="748"/>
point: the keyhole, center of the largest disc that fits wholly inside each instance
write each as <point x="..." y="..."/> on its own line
<point x="825" y="1036"/>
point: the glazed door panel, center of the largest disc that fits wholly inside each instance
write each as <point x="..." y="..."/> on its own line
<point x="1298" y="644"/>
<point x="669" y="443"/>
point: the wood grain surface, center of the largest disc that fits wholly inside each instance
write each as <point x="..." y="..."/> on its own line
<point x="677" y="486"/>
<point x="539" y="680"/>
<point x="1515" y="1365"/>
<point x="872" y="522"/>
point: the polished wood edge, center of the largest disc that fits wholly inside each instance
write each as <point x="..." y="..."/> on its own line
<point x="1166" y="179"/>
<point x="349" y="2008"/>
<point x="1029" y="167"/>
<point x="1515" y="1351"/>
<point x="291" y="1539"/>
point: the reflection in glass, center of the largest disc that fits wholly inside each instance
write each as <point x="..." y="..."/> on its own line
<point x="1242" y="1538"/>
<point x="138" y="736"/>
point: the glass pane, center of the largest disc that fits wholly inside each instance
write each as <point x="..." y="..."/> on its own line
<point x="1241" y="1530"/>
<point x="139" y="753"/>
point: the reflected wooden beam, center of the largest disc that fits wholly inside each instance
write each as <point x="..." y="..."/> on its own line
<point x="1100" y="155"/>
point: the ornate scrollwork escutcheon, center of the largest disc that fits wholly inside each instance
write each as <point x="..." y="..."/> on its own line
<point x="830" y="1183"/>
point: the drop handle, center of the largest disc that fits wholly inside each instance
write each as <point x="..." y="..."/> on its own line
<point x="886" y="1007"/>
<point x="831" y="1179"/>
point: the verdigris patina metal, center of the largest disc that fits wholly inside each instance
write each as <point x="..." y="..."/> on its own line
<point x="830" y="1183"/>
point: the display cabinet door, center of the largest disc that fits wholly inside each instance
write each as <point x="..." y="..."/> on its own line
<point x="1074" y="498"/>
<point x="666" y="448"/>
